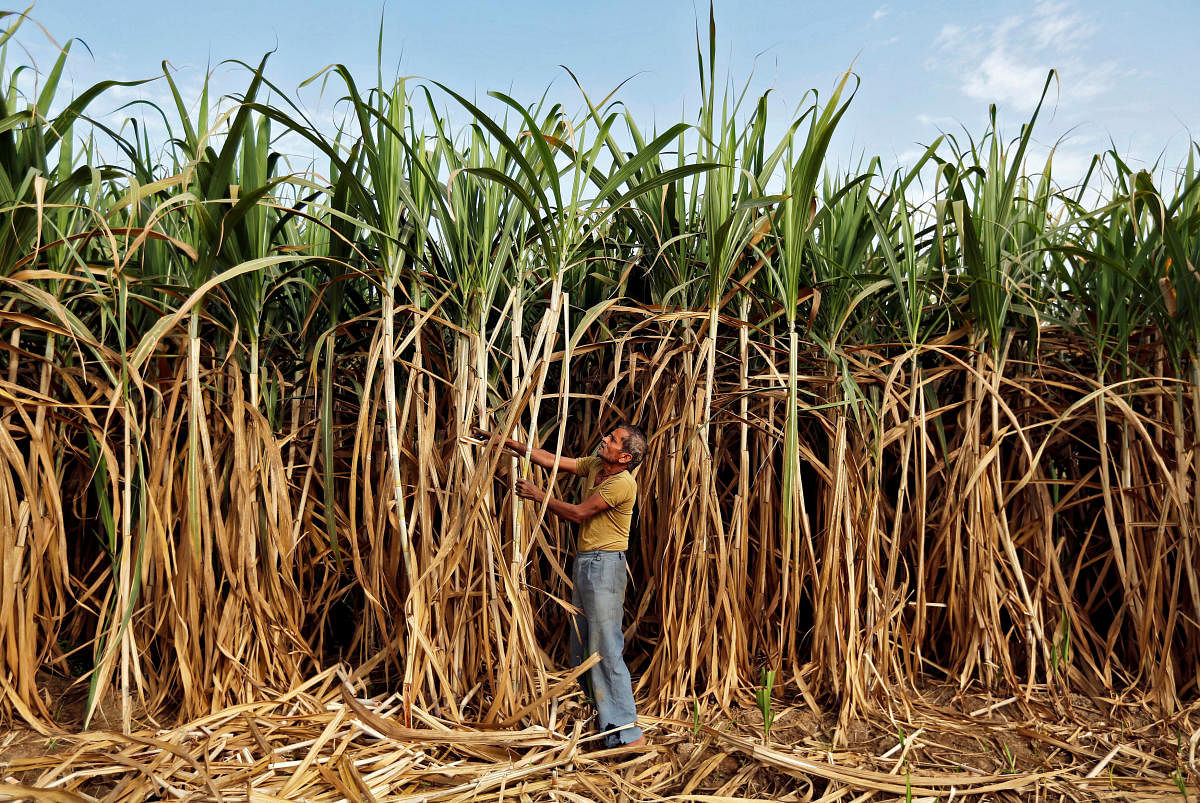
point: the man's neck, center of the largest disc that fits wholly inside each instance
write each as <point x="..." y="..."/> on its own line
<point x="608" y="469"/>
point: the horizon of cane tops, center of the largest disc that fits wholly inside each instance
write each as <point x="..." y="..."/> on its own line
<point x="926" y="68"/>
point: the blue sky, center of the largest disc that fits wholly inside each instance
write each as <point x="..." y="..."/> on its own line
<point x="1127" y="72"/>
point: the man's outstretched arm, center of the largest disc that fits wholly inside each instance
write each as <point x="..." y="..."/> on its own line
<point x="580" y="513"/>
<point x="541" y="457"/>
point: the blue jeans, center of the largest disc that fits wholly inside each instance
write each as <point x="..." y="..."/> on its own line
<point x="600" y="594"/>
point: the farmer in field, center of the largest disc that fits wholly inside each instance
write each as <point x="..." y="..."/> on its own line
<point x="609" y="492"/>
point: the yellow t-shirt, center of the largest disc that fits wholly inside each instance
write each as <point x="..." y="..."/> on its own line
<point x="609" y="529"/>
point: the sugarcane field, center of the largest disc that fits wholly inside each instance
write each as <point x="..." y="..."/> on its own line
<point x="530" y="448"/>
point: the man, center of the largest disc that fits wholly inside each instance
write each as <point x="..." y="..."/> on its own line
<point x="609" y="493"/>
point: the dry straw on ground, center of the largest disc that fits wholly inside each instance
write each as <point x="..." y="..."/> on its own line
<point x="322" y="742"/>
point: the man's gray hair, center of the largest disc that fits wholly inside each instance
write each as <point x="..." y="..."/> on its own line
<point x="634" y="443"/>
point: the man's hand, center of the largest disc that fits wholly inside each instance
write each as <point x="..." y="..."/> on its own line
<point x="527" y="490"/>
<point x="509" y="445"/>
<point x="591" y="506"/>
<point x="539" y="457"/>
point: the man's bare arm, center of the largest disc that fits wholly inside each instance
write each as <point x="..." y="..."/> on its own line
<point x="541" y="457"/>
<point x="546" y="459"/>
<point x="580" y="513"/>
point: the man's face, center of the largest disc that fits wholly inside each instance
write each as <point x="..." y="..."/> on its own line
<point x="610" y="447"/>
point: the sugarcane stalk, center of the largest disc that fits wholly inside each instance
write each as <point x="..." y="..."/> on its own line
<point x="516" y="464"/>
<point x="705" y="444"/>
<point x="1185" y="463"/>
<point x="791" y="448"/>
<point x="254" y="370"/>
<point x="124" y="576"/>
<point x="393" y="438"/>
<point x="477" y="390"/>
<point x="741" y="556"/>
<point x="546" y="340"/>
<point x="1191" y="462"/>
<point x="195" y="415"/>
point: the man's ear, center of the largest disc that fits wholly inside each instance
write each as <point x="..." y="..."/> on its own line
<point x="624" y="457"/>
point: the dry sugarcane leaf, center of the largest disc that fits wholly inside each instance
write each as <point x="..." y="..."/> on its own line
<point x="11" y="791"/>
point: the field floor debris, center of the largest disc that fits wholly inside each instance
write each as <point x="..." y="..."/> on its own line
<point x="326" y="742"/>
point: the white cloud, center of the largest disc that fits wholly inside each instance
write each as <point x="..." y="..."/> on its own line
<point x="938" y="121"/>
<point x="1055" y="25"/>
<point x="1002" y="77"/>
<point x="880" y="13"/>
<point x="948" y="35"/>
<point x="1007" y="63"/>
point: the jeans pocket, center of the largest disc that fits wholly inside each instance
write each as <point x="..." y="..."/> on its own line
<point x="615" y="576"/>
<point x="592" y="573"/>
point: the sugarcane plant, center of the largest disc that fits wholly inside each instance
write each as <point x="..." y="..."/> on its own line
<point x="925" y="424"/>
